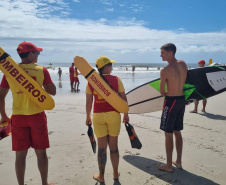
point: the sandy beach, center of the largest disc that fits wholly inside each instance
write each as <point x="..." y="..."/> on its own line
<point x="71" y="160"/>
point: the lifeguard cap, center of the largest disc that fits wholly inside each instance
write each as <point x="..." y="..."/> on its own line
<point x="25" y="47"/>
<point x="201" y="62"/>
<point x="103" y="61"/>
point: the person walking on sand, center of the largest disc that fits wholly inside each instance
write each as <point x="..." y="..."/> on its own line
<point x="106" y="120"/>
<point x="71" y="75"/>
<point x="29" y="123"/>
<point x="201" y="63"/>
<point x="173" y="76"/>
<point x="76" y="79"/>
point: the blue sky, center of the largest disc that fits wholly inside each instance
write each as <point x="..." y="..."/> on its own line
<point x="129" y="31"/>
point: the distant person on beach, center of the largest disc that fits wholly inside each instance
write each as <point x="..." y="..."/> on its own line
<point x="201" y="63"/>
<point x="71" y="75"/>
<point x="59" y="72"/>
<point x="76" y="79"/>
<point x="173" y="77"/>
<point x="106" y="120"/>
<point x="29" y="123"/>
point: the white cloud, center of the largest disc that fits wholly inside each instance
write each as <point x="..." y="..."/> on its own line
<point x="110" y="10"/>
<point x="106" y="2"/>
<point x="136" y="8"/>
<point x="62" y="38"/>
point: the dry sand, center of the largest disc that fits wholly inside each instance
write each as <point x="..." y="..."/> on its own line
<point x="72" y="162"/>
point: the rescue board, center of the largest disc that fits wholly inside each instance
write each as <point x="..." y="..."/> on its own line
<point x="201" y="83"/>
<point x="5" y="129"/>
<point x="25" y="83"/>
<point x="97" y="82"/>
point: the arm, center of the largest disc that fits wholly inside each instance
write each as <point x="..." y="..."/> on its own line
<point x="89" y="102"/>
<point x="3" y="93"/>
<point x="121" y="93"/>
<point x="126" y="116"/>
<point x="48" y="84"/>
<point x="163" y="82"/>
<point x="50" y="88"/>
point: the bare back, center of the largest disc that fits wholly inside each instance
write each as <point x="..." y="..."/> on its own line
<point x="173" y="76"/>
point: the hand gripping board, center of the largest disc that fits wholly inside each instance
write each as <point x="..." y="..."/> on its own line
<point x="100" y="85"/>
<point x="5" y="129"/>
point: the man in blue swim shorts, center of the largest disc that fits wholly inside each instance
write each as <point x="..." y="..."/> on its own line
<point x="173" y="76"/>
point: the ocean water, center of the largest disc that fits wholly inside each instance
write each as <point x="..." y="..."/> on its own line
<point x="143" y="73"/>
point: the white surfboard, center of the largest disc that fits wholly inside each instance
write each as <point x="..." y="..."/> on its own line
<point x="201" y="83"/>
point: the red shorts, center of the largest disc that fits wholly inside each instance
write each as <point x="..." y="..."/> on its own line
<point x="72" y="79"/>
<point x="29" y="131"/>
<point x="76" y="79"/>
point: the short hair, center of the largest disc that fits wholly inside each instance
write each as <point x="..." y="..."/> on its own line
<point x="24" y="55"/>
<point x="169" y="47"/>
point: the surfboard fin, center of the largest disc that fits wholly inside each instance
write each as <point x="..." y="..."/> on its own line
<point x="92" y="138"/>
<point x="135" y="142"/>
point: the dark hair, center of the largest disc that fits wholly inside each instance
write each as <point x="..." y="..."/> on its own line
<point x="24" y="55"/>
<point x="101" y="69"/>
<point x="169" y="47"/>
<point x="101" y="73"/>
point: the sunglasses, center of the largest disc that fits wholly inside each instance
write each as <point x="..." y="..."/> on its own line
<point x="37" y="52"/>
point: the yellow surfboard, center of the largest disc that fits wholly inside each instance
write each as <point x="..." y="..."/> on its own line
<point x="100" y="85"/>
<point x="210" y="61"/>
<point x="25" y="83"/>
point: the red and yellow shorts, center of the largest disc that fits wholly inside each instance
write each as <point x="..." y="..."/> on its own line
<point x="76" y="79"/>
<point x="107" y="123"/>
<point x="29" y="131"/>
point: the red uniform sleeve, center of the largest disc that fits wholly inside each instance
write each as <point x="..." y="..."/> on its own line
<point x="4" y="83"/>
<point x="47" y="78"/>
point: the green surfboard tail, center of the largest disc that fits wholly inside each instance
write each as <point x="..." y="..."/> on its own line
<point x="188" y="88"/>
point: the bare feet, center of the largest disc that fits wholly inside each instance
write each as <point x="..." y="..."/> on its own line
<point x="116" y="176"/>
<point x="165" y="168"/>
<point x="178" y="165"/>
<point x="98" y="178"/>
<point x="203" y="110"/>
<point x="193" y="111"/>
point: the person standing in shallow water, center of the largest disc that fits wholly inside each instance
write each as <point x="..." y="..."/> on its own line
<point x="71" y="75"/>
<point x="59" y="72"/>
<point x="201" y="63"/>
<point x="76" y="80"/>
<point x="106" y="120"/>
<point x="173" y="76"/>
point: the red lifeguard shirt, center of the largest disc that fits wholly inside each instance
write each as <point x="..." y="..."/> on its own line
<point x="71" y="71"/>
<point x="100" y="104"/>
<point x="22" y="105"/>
